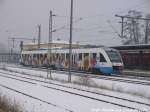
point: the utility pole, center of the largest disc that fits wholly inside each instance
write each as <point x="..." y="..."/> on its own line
<point x="21" y="46"/>
<point x="39" y="35"/>
<point x="122" y="25"/>
<point x="14" y="39"/>
<point x="146" y="33"/>
<point x="33" y="40"/>
<point x="50" y="43"/>
<point x="138" y="18"/>
<point x="13" y="45"/>
<point x="70" y="42"/>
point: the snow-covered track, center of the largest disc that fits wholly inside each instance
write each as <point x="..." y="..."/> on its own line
<point x="119" y="78"/>
<point x="15" y="77"/>
<point x="133" y="76"/>
<point x="137" y="73"/>
<point x="33" y="97"/>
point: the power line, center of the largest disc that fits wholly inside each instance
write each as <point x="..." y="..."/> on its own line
<point x="137" y="18"/>
<point x="65" y="26"/>
<point x="39" y="35"/>
<point x="140" y="18"/>
<point x="84" y="17"/>
<point x="115" y="31"/>
<point x="134" y="7"/>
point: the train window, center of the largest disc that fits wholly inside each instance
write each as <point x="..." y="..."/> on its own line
<point x="45" y="55"/>
<point x="67" y="56"/>
<point x="102" y="58"/>
<point x="57" y="55"/>
<point x="114" y="56"/>
<point x="38" y="56"/>
<point x="41" y="55"/>
<point x="86" y="54"/>
<point x="94" y="55"/>
<point x="34" y="55"/>
<point x="63" y="56"/>
<point x="72" y="59"/>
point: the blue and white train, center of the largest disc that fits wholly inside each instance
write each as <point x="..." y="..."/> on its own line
<point x="100" y="60"/>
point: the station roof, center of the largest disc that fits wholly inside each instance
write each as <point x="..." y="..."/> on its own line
<point x="54" y="41"/>
<point x="132" y="47"/>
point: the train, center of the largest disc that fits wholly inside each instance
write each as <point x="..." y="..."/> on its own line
<point x="103" y="60"/>
<point x="135" y="56"/>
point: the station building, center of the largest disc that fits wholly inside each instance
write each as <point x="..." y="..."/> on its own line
<point x="54" y="44"/>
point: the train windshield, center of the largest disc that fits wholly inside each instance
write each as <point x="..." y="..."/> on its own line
<point x="114" y="56"/>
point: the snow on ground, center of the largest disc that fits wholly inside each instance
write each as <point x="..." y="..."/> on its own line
<point x="82" y="87"/>
<point x="72" y="102"/>
<point x="134" y="89"/>
<point x="29" y="104"/>
<point x="62" y="100"/>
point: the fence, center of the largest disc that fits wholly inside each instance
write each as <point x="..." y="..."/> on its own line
<point x="10" y="58"/>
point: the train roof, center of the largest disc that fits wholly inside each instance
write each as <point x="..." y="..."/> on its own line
<point x="81" y="50"/>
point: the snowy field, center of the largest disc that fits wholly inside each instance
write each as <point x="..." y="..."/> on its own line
<point x="50" y="97"/>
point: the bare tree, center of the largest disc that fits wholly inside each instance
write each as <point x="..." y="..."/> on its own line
<point x="132" y="28"/>
<point x="147" y="29"/>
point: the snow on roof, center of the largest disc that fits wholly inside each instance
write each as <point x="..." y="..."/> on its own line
<point x="54" y="41"/>
<point x="132" y="45"/>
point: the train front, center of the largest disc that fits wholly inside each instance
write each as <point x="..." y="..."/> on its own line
<point x="116" y="60"/>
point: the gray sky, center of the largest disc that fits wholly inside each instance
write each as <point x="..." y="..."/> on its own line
<point x="19" y="18"/>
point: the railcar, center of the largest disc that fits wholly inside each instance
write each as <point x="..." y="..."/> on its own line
<point x="135" y="56"/>
<point x="100" y="60"/>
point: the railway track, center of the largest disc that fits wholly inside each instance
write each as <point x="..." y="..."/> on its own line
<point x="30" y="96"/>
<point x="114" y="77"/>
<point x="126" y="74"/>
<point x="52" y="86"/>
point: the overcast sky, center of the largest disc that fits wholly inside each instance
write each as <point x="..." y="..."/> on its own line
<point x="19" y="18"/>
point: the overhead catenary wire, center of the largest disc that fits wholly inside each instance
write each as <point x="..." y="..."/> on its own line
<point x="67" y="25"/>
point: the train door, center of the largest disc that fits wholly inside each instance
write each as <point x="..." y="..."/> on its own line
<point x="76" y="59"/>
<point x="80" y="64"/>
<point x="45" y="60"/>
<point x="62" y="60"/>
<point x="57" y="58"/>
<point x="92" y="60"/>
<point x="105" y="67"/>
<point x="72" y="61"/>
<point x="34" y="61"/>
<point x="40" y="59"/>
<point x="26" y="59"/>
<point x="30" y="59"/>
<point x="22" y="59"/>
<point x="86" y="61"/>
<point x="67" y="61"/>
<point x="102" y="59"/>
